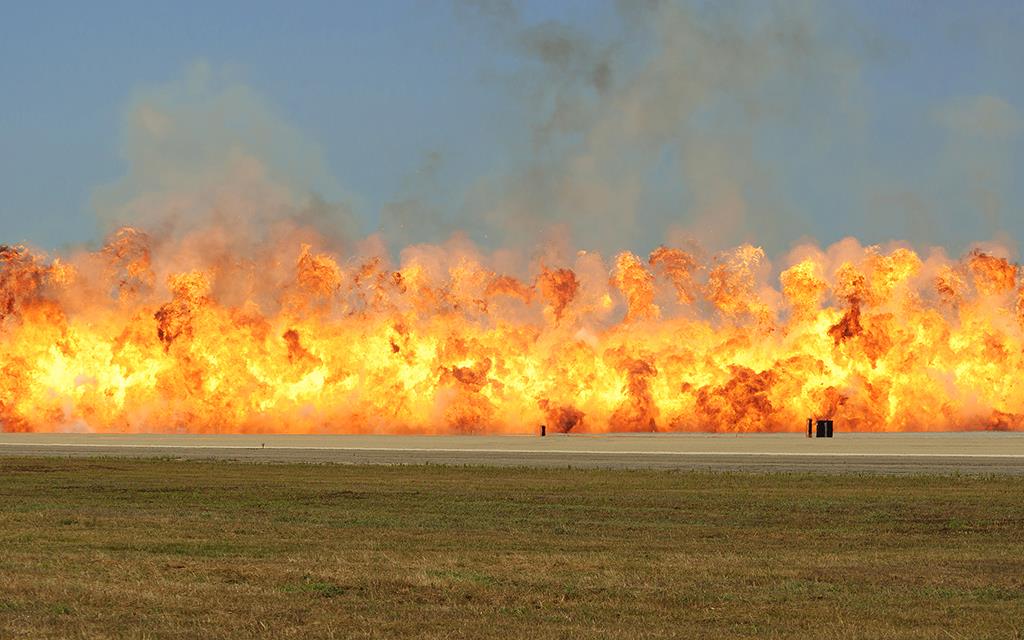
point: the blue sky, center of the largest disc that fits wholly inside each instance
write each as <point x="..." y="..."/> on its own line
<point x="875" y="119"/>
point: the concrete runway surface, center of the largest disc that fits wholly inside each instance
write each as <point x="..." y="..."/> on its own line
<point x="895" y="453"/>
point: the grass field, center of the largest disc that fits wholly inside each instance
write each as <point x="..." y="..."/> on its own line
<point x="167" y="549"/>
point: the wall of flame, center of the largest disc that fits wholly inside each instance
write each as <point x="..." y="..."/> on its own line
<point x="150" y="335"/>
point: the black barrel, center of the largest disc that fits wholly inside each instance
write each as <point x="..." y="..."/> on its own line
<point x="543" y="430"/>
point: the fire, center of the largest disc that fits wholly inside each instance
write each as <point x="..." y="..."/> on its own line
<point x="148" y="335"/>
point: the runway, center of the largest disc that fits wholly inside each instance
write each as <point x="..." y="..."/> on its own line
<point x="892" y="453"/>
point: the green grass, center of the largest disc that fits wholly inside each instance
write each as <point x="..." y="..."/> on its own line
<point x="168" y="549"/>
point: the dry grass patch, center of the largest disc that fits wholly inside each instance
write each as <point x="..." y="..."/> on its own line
<point x="173" y="549"/>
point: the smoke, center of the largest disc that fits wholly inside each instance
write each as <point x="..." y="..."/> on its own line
<point x="713" y="124"/>
<point x="630" y="142"/>
<point x="986" y="117"/>
<point x="214" y="179"/>
<point x="749" y="122"/>
<point x="980" y="133"/>
<point x="206" y="151"/>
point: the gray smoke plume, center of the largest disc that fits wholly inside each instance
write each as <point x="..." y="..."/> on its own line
<point x="630" y="146"/>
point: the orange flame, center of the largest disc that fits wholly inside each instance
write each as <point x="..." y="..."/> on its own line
<point x="143" y="335"/>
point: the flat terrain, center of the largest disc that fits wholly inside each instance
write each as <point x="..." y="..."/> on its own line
<point x="102" y="548"/>
<point x="975" y="452"/>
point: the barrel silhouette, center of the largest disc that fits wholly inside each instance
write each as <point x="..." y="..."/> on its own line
<point x="821" y="428"/>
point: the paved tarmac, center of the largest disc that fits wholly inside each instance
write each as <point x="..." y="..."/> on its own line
<point x="892" y="453"/>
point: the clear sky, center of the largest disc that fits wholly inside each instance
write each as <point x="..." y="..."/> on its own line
<point x="626" y="123"/>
